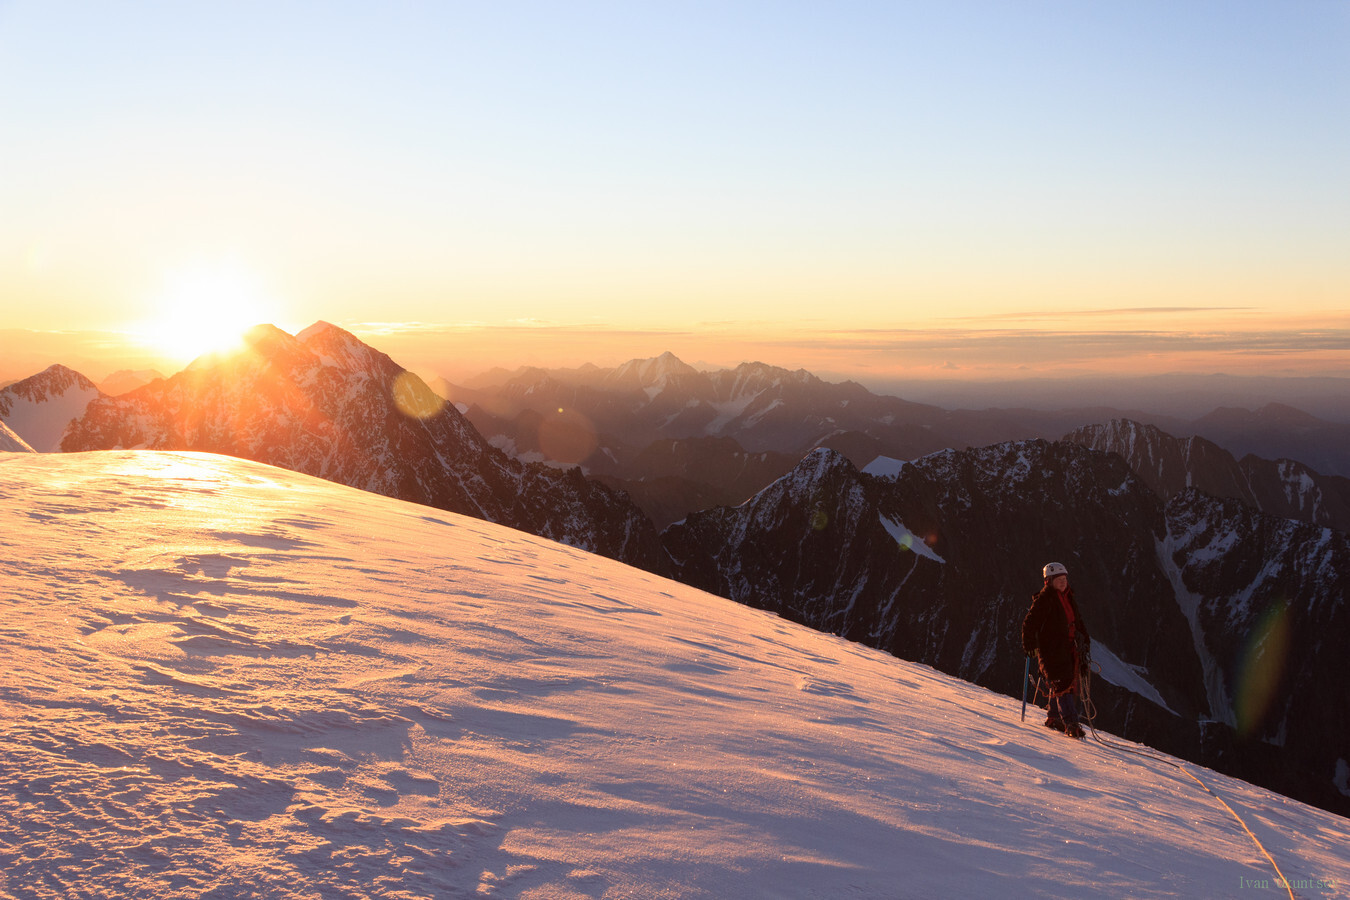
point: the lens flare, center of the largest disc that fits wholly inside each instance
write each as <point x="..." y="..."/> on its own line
<point x="1262" y="668"/>
<point x="414" y="399"/>
<point x="567" y="437"/>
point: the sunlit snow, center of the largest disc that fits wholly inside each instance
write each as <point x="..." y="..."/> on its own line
<point x="230" y="680"/>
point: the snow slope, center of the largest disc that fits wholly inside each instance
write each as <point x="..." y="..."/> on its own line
<point x="11" y="442"/>
<point x="230" y="680"/>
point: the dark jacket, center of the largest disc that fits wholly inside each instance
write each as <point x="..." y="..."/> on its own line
<point x="1046" y="630"/>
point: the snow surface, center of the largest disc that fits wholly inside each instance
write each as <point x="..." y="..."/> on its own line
<point x="885" y="467"/>
<point x="908" y="539"/>
<point x="230" y="680"/>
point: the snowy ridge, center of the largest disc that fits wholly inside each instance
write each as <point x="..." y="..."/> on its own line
<point x="300" y="690"/>
<point x="40" y="409"/>
<point x="1171" y="465"/>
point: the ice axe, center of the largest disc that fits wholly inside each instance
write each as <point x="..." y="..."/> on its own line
<point x="1026" y="679"/>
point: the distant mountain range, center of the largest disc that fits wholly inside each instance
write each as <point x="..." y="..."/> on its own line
<point x="632" y="426"/>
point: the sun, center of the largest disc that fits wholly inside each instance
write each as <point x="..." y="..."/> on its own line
<point x="206" y="308"/>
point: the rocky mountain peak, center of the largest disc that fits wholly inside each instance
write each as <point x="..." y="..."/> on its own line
<point x="39" y="408"/>
<point x="1171" y="465"/>
<point x="51" y="381"/>
<point x="757" y="377"/>
<point x="341" y="348"/>
<point x="655" y="372"/>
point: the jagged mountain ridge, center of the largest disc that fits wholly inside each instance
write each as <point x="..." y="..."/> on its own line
<point x="937" y="560"/>
<point x="623" y="410"/>
<point x="326" y="404"/>
<point x="1171" y="465"/>
<point x="40" y="408"/>
<point x="763" y="407"/>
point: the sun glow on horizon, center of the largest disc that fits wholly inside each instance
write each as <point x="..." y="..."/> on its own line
<point x="206" y="308"/>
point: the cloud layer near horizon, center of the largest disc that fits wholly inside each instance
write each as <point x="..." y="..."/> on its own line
<point x="457" y="350"/>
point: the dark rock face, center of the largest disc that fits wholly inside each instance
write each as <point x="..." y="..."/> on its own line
<point x="668" y="478"/>
<point x="1171" y="465"/>
<point x="937" y="563"/>
<point x="326" y="404"/>
<point x="1271" y="598"/>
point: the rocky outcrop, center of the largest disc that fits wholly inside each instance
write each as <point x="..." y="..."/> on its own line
<point x="1171" y="465"/>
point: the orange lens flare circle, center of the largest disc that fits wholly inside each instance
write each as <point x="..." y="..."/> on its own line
<point x="1263" y="665"/>
<point x="567" y="437"/>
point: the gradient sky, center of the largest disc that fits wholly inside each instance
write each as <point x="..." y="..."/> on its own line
<point x="963" y="189"/>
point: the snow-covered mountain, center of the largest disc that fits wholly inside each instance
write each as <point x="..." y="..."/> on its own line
<point x="653" y="376"/>
<point x="326" y="404"/>
<point x="936" y="560"/>
<point x="637" y="410"/>
<point x="40" y="408"/>
<point x="230" y="680"/>
<point x="762" y="407"/>
<point x="1171" y="465"/>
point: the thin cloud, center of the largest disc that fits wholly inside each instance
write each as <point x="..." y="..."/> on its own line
<point x="1131" y="341"/>
<point x="1031" y="315"/>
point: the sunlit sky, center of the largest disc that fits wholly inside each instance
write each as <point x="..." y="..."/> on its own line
<point x="922" y="189"/>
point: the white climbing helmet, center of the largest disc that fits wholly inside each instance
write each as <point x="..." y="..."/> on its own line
<point x="1054" y="569"/>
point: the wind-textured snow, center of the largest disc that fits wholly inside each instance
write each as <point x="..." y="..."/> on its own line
<point x="230" y="680"/>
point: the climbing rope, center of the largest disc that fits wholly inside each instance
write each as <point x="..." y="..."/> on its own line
<point x="1090" y="713"/>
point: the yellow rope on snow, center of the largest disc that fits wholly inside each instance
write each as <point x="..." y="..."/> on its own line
<point x="1090" y="713"/>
